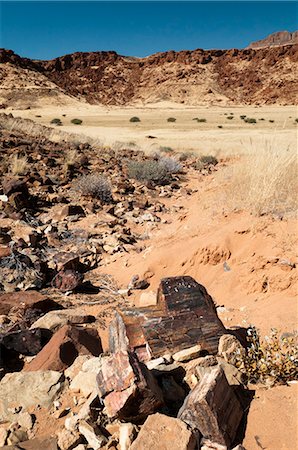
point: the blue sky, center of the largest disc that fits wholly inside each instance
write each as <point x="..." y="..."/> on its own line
<point x="45" y="30"/>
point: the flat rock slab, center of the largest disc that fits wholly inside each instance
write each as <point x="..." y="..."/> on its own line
<point x="184" y="317"/>
<point x="161" y="432"/>
<point x="56" y="319"/>
<point x="49" y="443"/>
<point x="25" y="389"/>
<point x="25" y="300"/>
<point x="213" y="408"/>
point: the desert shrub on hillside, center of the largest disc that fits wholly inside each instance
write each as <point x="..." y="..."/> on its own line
<point x="264" y="181"/>
<point x="56" y="121"/>
<point x="205" y="161"/>
<point x="19" y="165"/>
<point x="96" y="186"/>
<point x="242" y="117"/>
<point x="230" y="117"/>
<point x="148" y="171"/>
<point x="171" y="119"/>
<point x="250" y="120"/>
<point x="170" y="164"/>
<point x="199" y="120"/>
<point x="271" y="360"/>
<point x="271" y="121"/>
<point x="219" y="126"/>
<point x="296" y="120"/>
<point x="76" y="121"/>
<point x="135" y="119"/>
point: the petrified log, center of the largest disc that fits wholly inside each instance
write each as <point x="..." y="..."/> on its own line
<point x="213" y="408"/>
<point x="128" y="389"/>
<point x="184" y="316"/>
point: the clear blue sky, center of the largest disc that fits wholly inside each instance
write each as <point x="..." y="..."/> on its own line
<point x="45" y="30"/>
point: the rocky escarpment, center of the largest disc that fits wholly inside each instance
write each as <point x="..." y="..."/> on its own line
<point x="276" y="39"/>
<point x="249" y="76"/>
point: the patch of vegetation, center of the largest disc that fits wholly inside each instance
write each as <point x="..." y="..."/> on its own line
<point x="185" y="156"/>
<point x="199" y="120"/>
<point x="96" y="186"/>
<point x="148" y="171"/>
<point x="77" y="121"/>
<point x="170" y="164"/>
<point x="242" y="117"/>
<point x="135" y="119"/>
<point x="230" y="117"/>
<point x="56" y="122"/>
<point x="262" y="118"/>
<point x="296" y="120"/>
<point x="171" y="119"/>
<point x="205" y="161"/>
<point x="271" y="121"/>
<point x="250" y="120"/>
<point x="19" y="165"/>
<point x="272" y="360"/>
<point x="219" y="126"/>
<point x="166" y="149"/>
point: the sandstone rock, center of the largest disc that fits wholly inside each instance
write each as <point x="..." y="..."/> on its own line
<point x="206" y="444"/>
<point x="213" y="408"/>
<point x="67" y="280"/>
<point x="85" y="380"/>
<point x="25" y="389"/>
<point x="25" y="420"/>
<point x="27" y="301"/>
<point x="67" y="439"/>
<point x="229" y="347"/>
<point x="17" y="436"/>
<point x="63" y="348"/>
<point x="3" y="436"/>
<point x="161" y="432"/>
<point x="147" y="299"/>
<point x="43" y="443"/>
<point x="95" y="441"/>
<point x="56" y="319"/>
<point x="127" y="434"/>
<point x="188" y="353"/>
<point x="76" y="366"/>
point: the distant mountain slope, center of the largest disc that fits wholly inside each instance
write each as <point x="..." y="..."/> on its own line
<point x="276" y="39"/>
<point x="249" y="76"/>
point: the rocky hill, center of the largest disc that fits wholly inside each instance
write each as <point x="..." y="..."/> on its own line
<point x="248" y="76"/>
<point x="276" y="39"/>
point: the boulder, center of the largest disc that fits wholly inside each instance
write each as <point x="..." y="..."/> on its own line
<point x="161" y="432"/>
<point x="213" y="409"/>
<point x="26" y="342"/>
<point x="63" y="348"/>
<point x="27" y="301"/>
<point x="25" y="389"/>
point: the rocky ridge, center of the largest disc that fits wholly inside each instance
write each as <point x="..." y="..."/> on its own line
<point x="249" y="76"/>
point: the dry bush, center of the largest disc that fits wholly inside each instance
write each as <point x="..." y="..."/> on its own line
<point x="148" y="171"/>
<point x="264" y="181"/>
<point x="205" y="162"/>
<point x="19" y="165"/>
<point x="96" y="186"/>
<point x="271" y="360"/>
<point x="170" y="164"/>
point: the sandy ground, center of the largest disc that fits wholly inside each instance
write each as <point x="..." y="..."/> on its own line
<point x="245" y="262"/>
<point x="111" y="125"/>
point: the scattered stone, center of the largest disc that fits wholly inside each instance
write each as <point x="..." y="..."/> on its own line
<point x="26" y="342"/>
<point x="25" y="420"/>
<point x="206" y="444"/>
<point x="67" y="439"/>
<point x="188" y="353"/>
<point x="3" y="436"/>
<point x="147" y="299"/>
<point x="67" y="280"/>
<point x="213" y="408"/>
<point x="24" y="389"/>
<point x="63" y="348"/>
<point x="17" y="436"/>
<point x="27" y="301"/>
<point x="161" y="432"/>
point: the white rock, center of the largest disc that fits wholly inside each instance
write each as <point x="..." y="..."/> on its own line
<point x="93" y="440"/>
<point x="155" y="362"/>
<point x="127" y="433"/>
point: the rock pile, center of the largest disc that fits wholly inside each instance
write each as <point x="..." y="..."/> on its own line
<point x="141" y="393"/>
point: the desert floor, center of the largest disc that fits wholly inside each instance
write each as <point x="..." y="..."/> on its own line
<point x="111" y="125"/>
<point x="258" y="287"/>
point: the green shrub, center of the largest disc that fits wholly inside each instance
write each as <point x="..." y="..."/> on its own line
<point x="171" y="119"/>
<point x="250" y="120"/>
<point x="56" y="122"/>
<point x="270" y="361"/>
<point x="148" y="171"/>
<point x="199" y="120"/>
<point x="271" y="121"/>
<point x="242" y="117"/>
<point x="262" y="118"/>
<point x="77" y="121"/>
<point x="205" y="161"/>
<point x="230" y="117"/>
<point x="135" y="119"/>
<point x="96" y="186"/>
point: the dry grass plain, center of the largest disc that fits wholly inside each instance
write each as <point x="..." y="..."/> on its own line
<point x="112" y="125"/>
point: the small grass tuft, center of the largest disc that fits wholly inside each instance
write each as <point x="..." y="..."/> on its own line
<point x="96" y="186"/>
<point x="19" y="165"/>
<point x="76" y="121"/>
